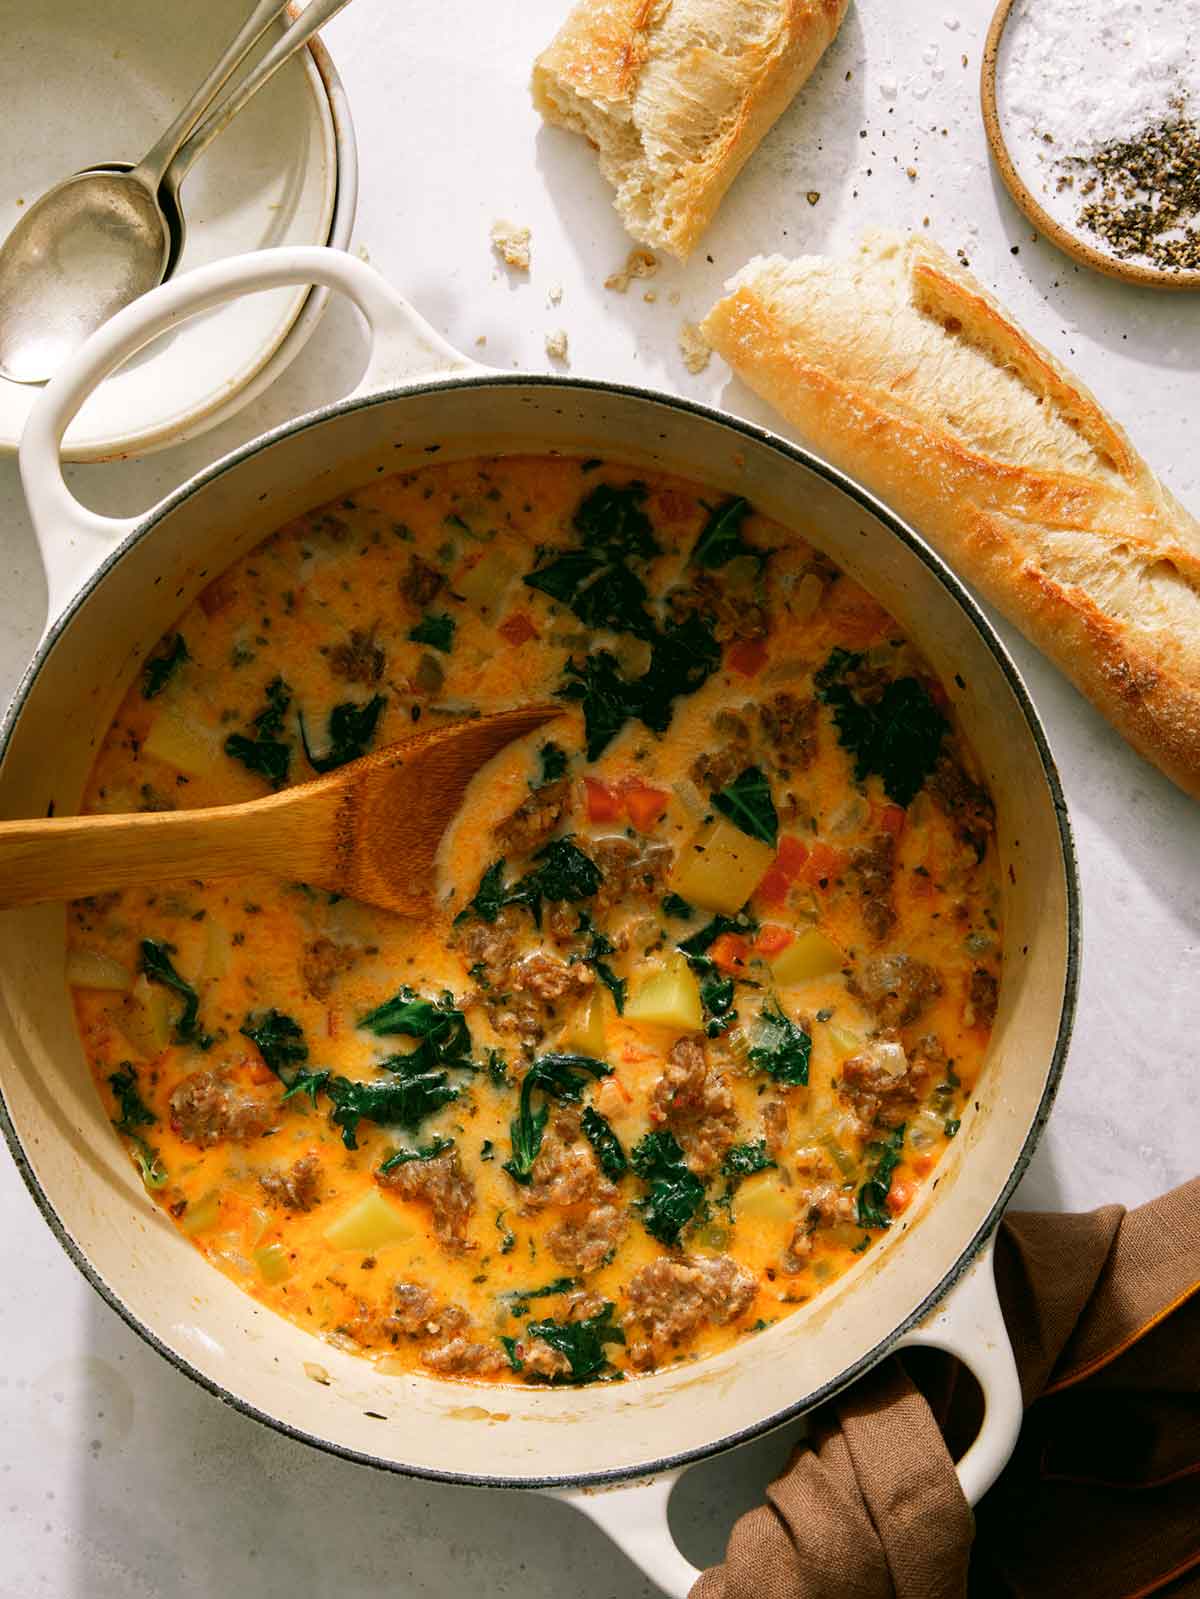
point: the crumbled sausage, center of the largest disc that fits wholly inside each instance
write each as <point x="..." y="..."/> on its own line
<point x="565" y="1171"/>
<point x="421" y="583"/>
<point x="714" y="769"/>
<point x="669" y="1299"/>
<point x="358" y="659"/>
<point x="873" y="865"/>
<point x="823" y="1204"/>
<point x="883" y="1084"/>
<point x="775" y="1125"/>
<point x="449" y="1192"/>
<point x="790" y="727"/>
<point x="540" y="1359"/>
<point x="533" y="821"/>
<point x="460" y="1357"/>
<point x="629" y="870"/>
<point x="896" y="987"/>
<point x="982" y="994"/>
<point x="966" y="802"/>
<point x="697" y="1105"/>
<point x="551" y="979"/>
<point x="491" y="947"/>
<point x="416" y="1314"/>
<point x="584" y="1245"/>
<point x="323" y="962"/>
<point x="296" y="1188"/>
<point x="414" y="1307"/>
<point x="206" y="1108"/>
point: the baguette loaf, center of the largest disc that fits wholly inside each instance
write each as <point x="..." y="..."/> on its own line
<point x="898" y="367"/>
<point x="676" y="95"/>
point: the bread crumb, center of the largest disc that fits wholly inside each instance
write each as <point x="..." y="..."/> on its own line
<point x="641" y="264"/>
<point x="481" y="339"/>
<point x="556" y="344"/>
<point x="673" y="297"/>
<point x="650" y="296"/>
<point x="694" y="347"/>
<point x="555" y="294"/>
<point x="511" y="244"/>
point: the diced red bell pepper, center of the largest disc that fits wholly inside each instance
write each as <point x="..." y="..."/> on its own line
<point x="604" y="803"/>
<point x="824" y="862"/>
<point x="772" y="938"/>
<point x="517" y="629"/>
<point x="900" y="1196"/>
<point x="728" y="953"/>
<point x="645" y="805"/>
<point x="789" y="862"/>
<point x="747" y="656"/>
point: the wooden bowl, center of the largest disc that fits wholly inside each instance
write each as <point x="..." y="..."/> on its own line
<point x="1072" y="243"/>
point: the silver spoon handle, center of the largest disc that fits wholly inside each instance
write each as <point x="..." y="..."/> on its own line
<point x="157" y="159"/>
<point x="314" y="16"/>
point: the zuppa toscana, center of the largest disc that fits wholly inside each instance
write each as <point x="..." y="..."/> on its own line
<point x="711" y="963"/>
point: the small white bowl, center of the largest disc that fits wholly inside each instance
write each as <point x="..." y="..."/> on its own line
<point x="284" y="172"/>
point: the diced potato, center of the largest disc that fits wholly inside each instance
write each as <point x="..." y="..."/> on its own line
<point x="844" y="1041"/>
<point x="179" y="744"/>
<point x="487" y="582"/>
<point x="761" y="1199"/>
<point x="218" y="948"/>
<point x="584" y="1031"/>
<point x="145" y="1019"/>
<point x="810" y="955"/>
<point x="198" y="1218"/>
<point x="721" y="867"/>
<point x="88" y="968"/>
<point x="274" y="1263"/>
<point x="371" y="1223"/>
<point x="668" y="998"/>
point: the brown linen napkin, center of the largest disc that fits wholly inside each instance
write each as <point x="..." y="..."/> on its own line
<point x="1102" y="1496"/>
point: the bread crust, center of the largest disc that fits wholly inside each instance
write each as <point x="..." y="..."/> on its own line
<point x="677" y="94"/>
<point x="898" y="367"/>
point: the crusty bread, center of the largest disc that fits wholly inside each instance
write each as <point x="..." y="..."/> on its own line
<point x="898" y="367"/>
<point x="676" y="95"/>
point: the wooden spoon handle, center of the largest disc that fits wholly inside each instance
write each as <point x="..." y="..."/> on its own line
<point x="70" y="856"/>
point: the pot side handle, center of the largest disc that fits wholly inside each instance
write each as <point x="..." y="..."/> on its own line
<point x="74" y="540"/>
<point x="968" y="1324"/>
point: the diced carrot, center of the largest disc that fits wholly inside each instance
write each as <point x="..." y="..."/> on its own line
<point x="728" y="953"/>
<point x="774" y="888"/>
<point x="824" y="862"/>
<point x="900" y="1196"/>
<point x="789" y="862"/>
<point x="922" y="1164"/>
<point x="792" y="855"/>
<point x="747" y="656"/>
<point x="892" y="819"/>
<point x="604" y="804"/>
<point x="517" y="628"/>
<point x="772" y="938"/>
<point x="644" y="804"/>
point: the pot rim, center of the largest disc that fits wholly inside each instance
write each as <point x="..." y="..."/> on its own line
<point x="795" y="455"/>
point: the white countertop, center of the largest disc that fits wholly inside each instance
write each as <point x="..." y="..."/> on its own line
<point x="118" y="1477"/>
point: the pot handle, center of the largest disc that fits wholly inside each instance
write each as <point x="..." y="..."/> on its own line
<point x="74" y="540"/>
<point x="968" y="1324"/>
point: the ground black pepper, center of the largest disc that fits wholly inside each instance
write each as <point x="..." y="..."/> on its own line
<point x="1142" y="194"/>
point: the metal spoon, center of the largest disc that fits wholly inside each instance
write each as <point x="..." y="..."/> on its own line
<point x="101" y="238"/>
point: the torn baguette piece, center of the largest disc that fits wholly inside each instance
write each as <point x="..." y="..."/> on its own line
<point x="676" y="95"/>
<point x="898" y="367"/>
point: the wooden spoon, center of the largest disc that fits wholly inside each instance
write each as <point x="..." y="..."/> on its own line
<point x="369" y="830"/>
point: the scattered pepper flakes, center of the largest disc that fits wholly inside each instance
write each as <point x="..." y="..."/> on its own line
<point x="511" y="244"/>
<point x="1148" y="199"/>
<point x="694" y="347"/>
<point x="640" y="264"/>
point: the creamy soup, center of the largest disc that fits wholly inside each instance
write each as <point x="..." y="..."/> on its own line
<point x="710" y="965"/>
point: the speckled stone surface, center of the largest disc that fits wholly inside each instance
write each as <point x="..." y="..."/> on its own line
<point x="118" y="1478"/>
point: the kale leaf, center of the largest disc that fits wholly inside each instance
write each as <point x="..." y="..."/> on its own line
<point x="701" y="941"/>
<point x="872" y="1196"/>
<point x="743" y="1160"/>
<point x="518" y="1299"/>
<point x="157" y="968"/>
<point x="351" y="729"/>
<point x="607" y="700"/>
<point x="279" y="1040"/>
<point x="554" y="764"/>
<point x="159" y="668"/>
<point x="582" y="1342"/>
<point x="306" y="1082"/>
<point x="266" y="753"/>
<point x="612" y="518"/>
<point x="675" y="1194"/>
<point x="676" y="905"/>
<point x="565" y="873"/>
<point x="429" y="1151"/>
<point x="748" y="804"/>
<point x="135" y="1112"/>
<point x="721" y="538"/>
<point x="783" y="1048"/>
<point x="897" y="735"/>
<point x="436" y="631"/>
<point x="594" y="581"/>
<point x="489" y="898"/>
<point x="716" y="995"/>
<point x="438" y="1024"/>
<point x="404" y="1098"/>
<point x="555" y="1077"/>
<point x="598" y="946"/>
<point x="604" y="1141"/>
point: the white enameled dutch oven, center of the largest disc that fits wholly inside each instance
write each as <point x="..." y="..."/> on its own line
<point x="613" y="1450"/>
